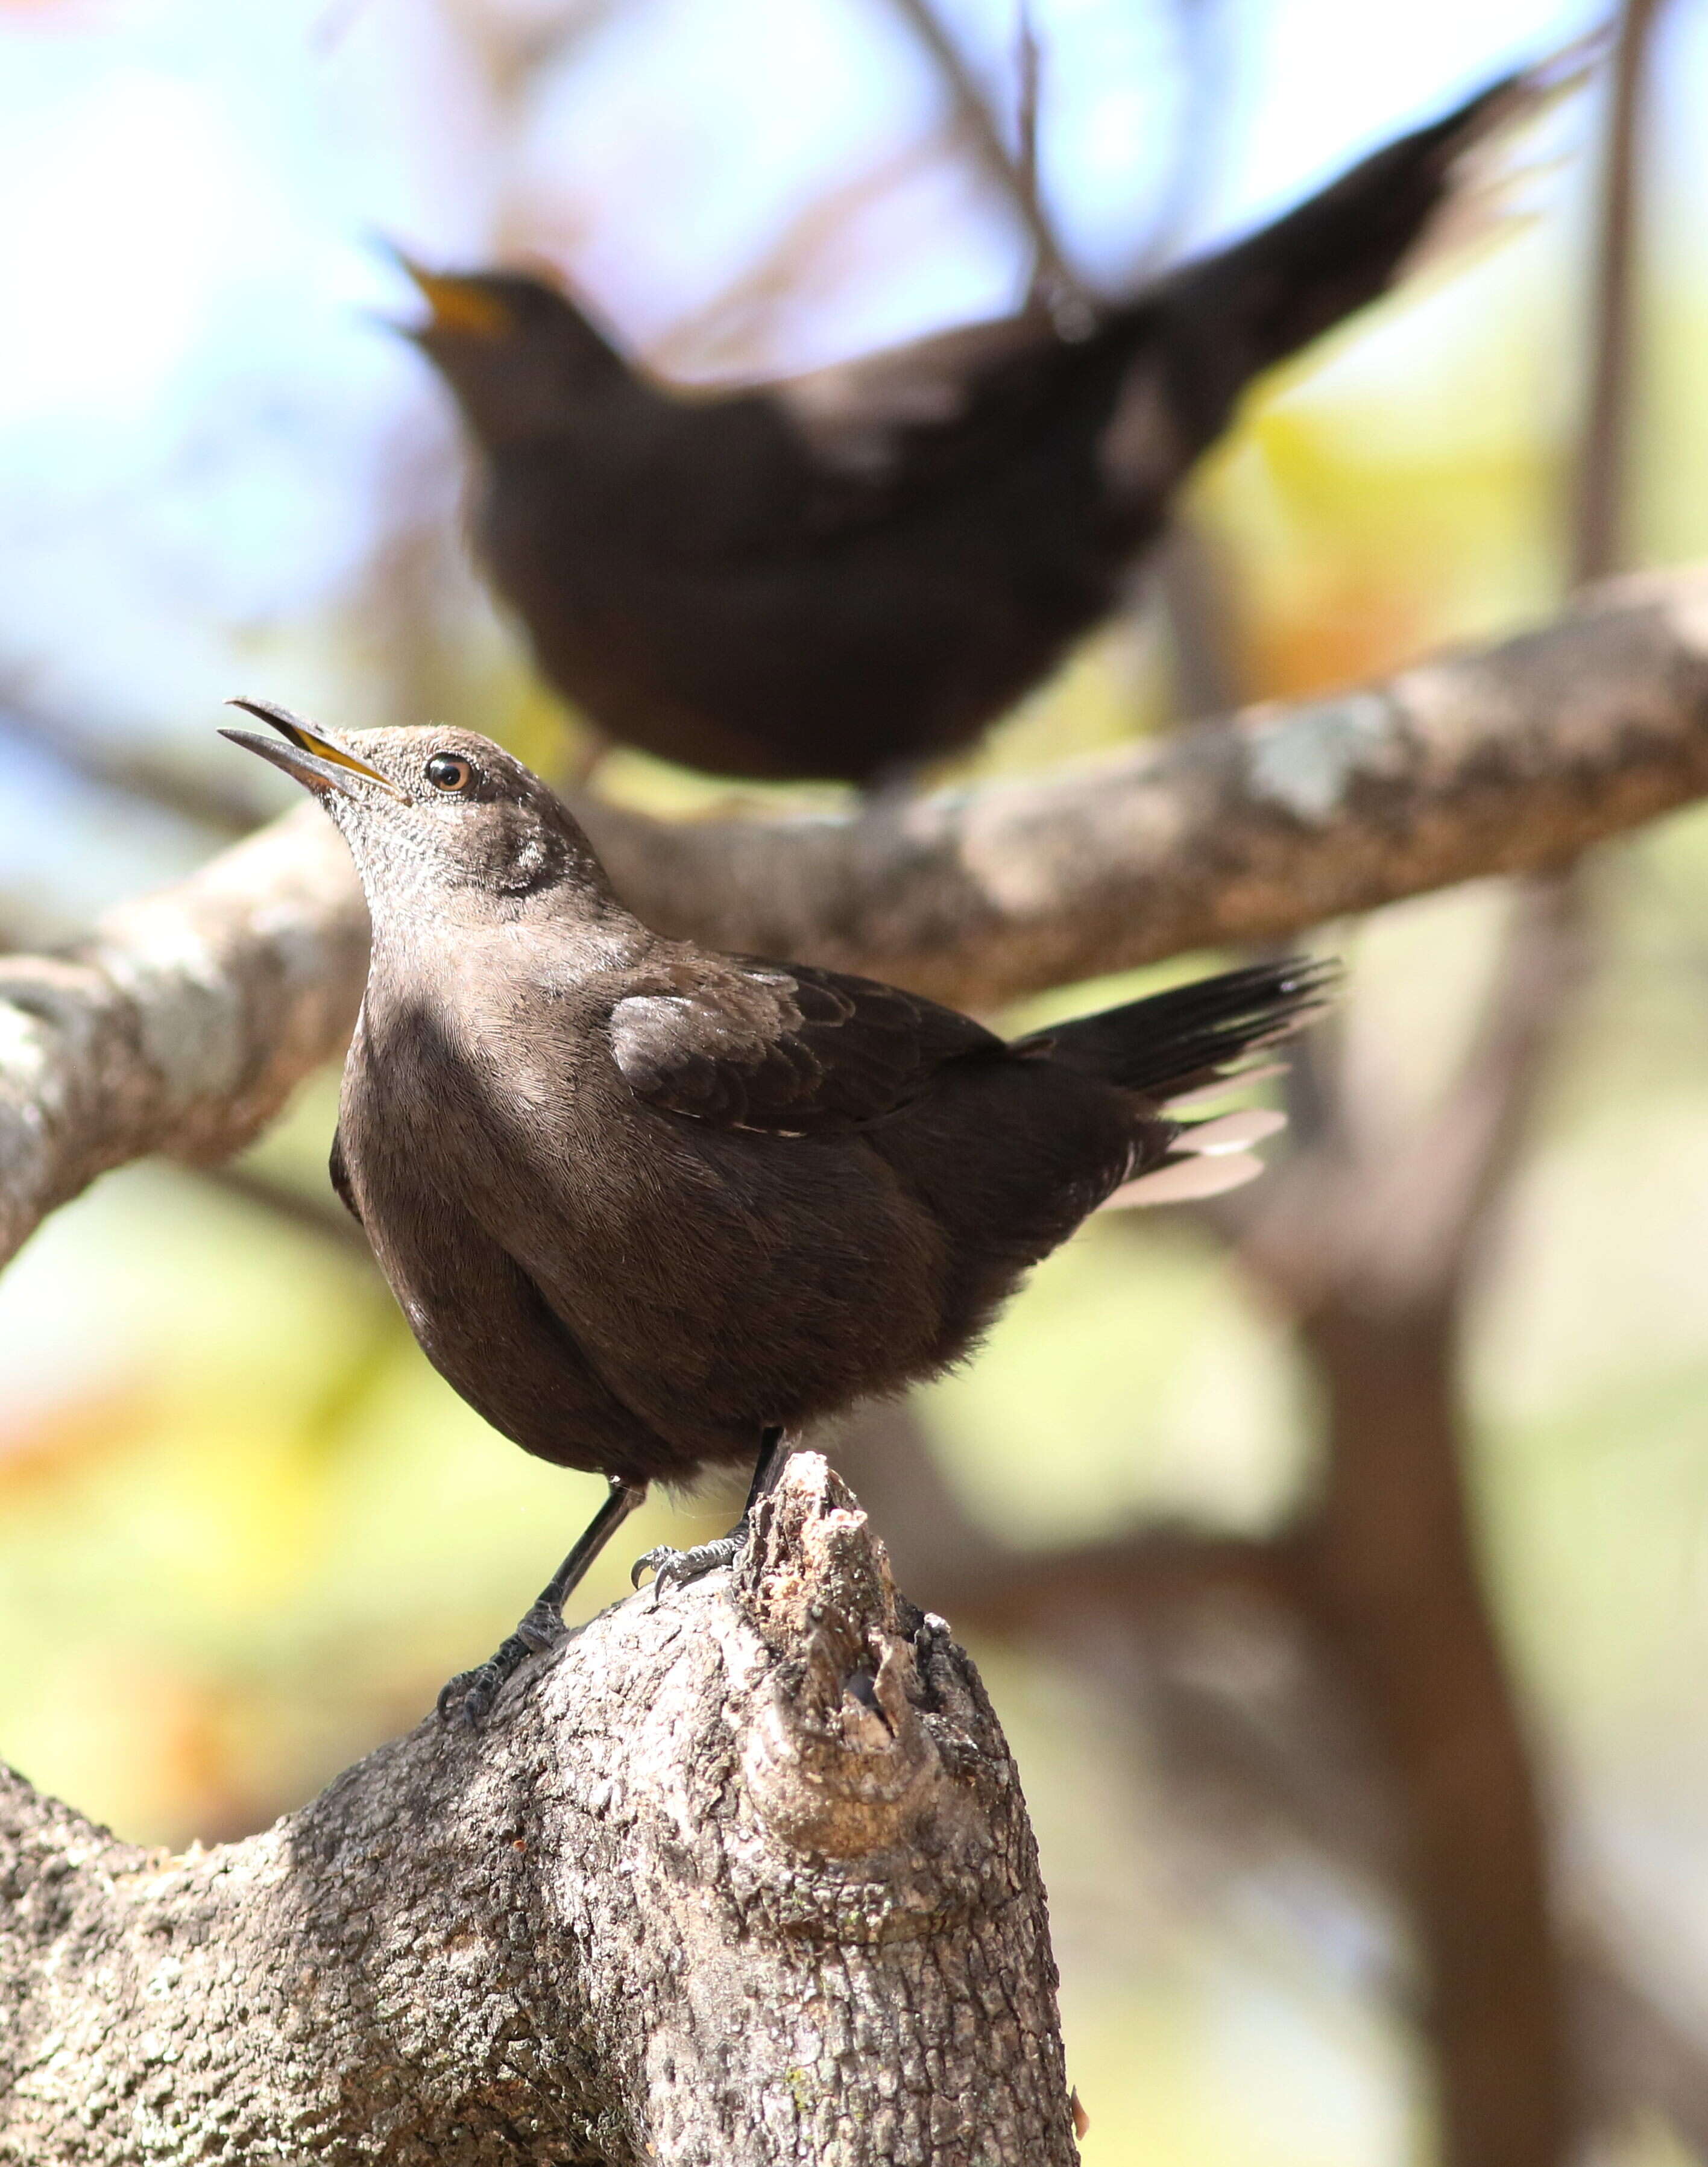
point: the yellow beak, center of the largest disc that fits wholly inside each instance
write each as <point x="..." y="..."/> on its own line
<point x="308" y="757"/>
<point x="458" y="304"/>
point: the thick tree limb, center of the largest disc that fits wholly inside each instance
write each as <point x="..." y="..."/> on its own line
<point x="1247" y="828"/>
<point x="185" y="1022"/>
<point x="740" y="1875"/>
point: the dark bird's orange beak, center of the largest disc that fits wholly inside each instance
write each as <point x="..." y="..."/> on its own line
<point x="465" y="305"/>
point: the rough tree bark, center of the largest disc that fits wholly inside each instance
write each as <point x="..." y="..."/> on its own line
<point x="183" y="1025"/>
<point x="741" y="1875"/>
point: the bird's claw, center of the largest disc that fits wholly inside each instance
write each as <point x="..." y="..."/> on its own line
<point x="471" y="1694"/>
<point x="673" y="1568"/>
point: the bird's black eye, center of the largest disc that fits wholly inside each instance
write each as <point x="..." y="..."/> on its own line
<point x="450" y="772"/>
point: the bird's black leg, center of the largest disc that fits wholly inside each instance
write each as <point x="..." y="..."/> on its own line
<point x="472" y="1693"/>
<point x="671" y="1568"/>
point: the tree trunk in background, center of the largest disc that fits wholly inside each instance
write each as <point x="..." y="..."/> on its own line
<point x="1400" y="1587"/>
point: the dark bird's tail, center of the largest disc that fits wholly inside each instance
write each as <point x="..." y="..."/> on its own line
<point x="1232" y="315"/>
<point x="1194" y="1043"/>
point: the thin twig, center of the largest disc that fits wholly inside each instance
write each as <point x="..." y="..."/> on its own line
<point x="1028" y="68"/>
<point x="1051" y="272"/>
<point x="1602" y="509"/>
<point x="733" y="327"/>
<point x="327" y="1222"/>
<point x="1197" y="136"/>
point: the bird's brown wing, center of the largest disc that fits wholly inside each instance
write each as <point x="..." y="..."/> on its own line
<point x="851" y="410"/>
<point x="783" y="1047"/>
<point x="888" y="427"/>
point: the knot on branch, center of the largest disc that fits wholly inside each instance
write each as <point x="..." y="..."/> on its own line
<point x="837" y="1761"/>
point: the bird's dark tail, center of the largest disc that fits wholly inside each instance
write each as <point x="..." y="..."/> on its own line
<point x="1195" y="1042"/>
<point x="1233" y="315"/>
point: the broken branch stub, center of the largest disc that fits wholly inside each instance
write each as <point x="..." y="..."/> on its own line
<point x="739" y="1873"/>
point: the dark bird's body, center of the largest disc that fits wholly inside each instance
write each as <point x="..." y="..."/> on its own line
<point x="646" y="1205"/>
<point x="843" y="573"/>
<point x="620" y="1274"/>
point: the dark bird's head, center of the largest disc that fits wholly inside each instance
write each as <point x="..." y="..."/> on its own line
<point x="437" y="819"/>
<point x="520" y="358"/>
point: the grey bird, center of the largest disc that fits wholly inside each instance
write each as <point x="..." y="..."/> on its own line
<point x="652" y="1209"/>
<point x="848" y="573"/>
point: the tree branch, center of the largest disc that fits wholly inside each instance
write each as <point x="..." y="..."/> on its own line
<point x="184" y="1024"/>
<point x="742" y="1874"/>
<point x="1251" y="827"/>
<point x="1381" y="1292"/>
<point x="1400" y="1595"/>
<point x="206" y="802"/>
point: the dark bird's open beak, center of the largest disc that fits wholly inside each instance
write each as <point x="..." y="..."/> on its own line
<point x="467" y="305"/>
<point x="307" y="756"/>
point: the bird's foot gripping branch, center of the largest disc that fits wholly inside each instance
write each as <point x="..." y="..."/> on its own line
<point x="742" y="1874"/>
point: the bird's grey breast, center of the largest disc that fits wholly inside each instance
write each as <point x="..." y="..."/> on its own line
<point x="460" y="1066"/>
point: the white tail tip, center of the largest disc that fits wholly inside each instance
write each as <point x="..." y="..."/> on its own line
<point x="1498" y="166"/>
<point x="1184" y="1181"/>
<point x="1232" y="1133"/>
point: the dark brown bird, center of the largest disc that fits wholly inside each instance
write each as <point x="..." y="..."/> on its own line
<point x="845" y="573"/>
<point x="651" y="1209"/>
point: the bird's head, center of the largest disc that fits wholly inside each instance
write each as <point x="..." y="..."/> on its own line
<point x="437" y="819"/>
<point x="518" y="355"/>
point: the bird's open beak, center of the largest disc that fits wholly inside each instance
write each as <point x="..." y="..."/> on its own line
<point x="306" y="755"/>
<point x="458" y="304"/>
